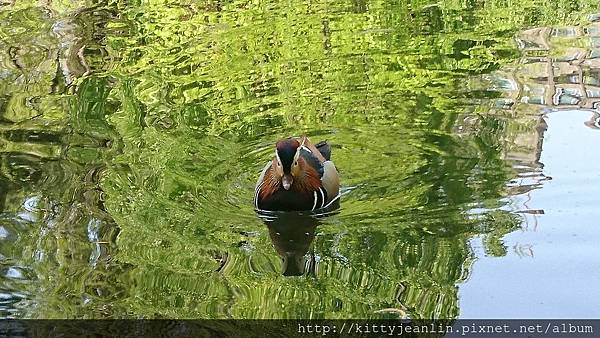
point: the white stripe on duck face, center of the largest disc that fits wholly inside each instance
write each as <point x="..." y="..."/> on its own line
<point x="302" y="146"/>
<point x="277" y="156"/>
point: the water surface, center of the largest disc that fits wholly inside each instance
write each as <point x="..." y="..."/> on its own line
<point x="131" y="135"/>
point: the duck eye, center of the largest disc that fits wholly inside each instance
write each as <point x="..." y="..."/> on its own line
<point x="296" y="163"/>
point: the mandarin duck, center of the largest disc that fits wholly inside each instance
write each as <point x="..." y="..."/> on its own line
<point x="300" y="177"/>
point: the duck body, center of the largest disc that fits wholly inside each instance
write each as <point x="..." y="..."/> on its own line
<point x="300" y="177"/>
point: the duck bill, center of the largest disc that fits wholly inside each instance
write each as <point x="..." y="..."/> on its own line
<point x="287" y="181"/>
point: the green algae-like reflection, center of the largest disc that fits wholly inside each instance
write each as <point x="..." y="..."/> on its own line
<point x="132" y="133"/>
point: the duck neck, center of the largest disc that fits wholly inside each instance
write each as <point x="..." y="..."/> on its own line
<point x="308" y="180"/>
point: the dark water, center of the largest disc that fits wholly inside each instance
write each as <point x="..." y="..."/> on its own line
<point x="131" y="136"/>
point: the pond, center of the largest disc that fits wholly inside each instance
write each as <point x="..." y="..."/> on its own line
<point x="132" y="135"/>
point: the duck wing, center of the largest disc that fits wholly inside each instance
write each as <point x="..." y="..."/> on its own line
<point x="325" y="149"/>
<point x="329" y="176"/>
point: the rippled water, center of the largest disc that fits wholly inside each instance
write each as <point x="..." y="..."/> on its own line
<point x="131" y="136"/>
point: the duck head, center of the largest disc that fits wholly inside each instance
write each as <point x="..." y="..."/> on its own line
<point x="287" y="161"/>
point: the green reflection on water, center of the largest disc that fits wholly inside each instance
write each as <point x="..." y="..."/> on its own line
<point x="132" y="135"/>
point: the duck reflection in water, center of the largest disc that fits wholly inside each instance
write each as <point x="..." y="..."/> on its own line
<point x="292" y="236"/>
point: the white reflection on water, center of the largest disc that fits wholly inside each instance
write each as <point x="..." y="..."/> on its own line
<point x="553" y="260"/>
